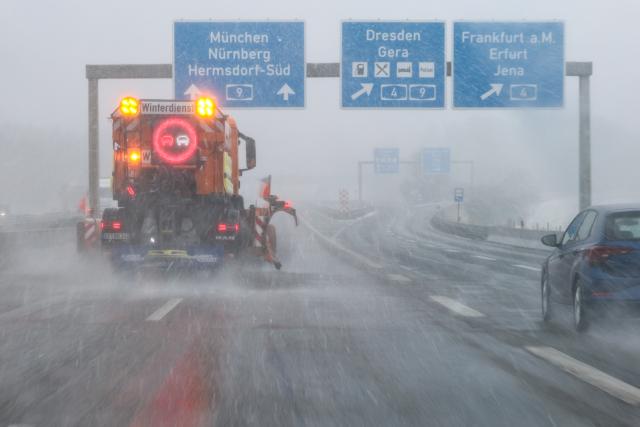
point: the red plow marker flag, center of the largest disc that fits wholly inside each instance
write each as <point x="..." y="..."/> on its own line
<point x="265" y="192"/>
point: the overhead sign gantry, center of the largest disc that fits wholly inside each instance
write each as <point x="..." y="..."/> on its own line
<point x="388" y="42"/>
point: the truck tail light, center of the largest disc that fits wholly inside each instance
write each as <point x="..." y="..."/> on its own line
<point x="228" y="228"/>
<point x="110" y="225"/>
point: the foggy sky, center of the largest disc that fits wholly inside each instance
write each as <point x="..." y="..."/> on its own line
<point x="44" y="47"/>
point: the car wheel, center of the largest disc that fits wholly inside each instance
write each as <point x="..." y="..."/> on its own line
<point x="545" y="293"/>
<point x="580" y="320"/>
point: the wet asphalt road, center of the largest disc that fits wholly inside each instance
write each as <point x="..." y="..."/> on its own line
<point x="439" y="331"/>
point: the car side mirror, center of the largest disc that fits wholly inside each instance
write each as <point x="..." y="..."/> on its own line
<point x="550" y="240"/>
<point x="250" y="152"/>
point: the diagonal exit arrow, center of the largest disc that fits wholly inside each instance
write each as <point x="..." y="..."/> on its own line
<point x="366" y="88"/>
<point x="495" y="88"/>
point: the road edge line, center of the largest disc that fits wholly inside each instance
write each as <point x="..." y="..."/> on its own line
<point x="593" y="376"/>
<point x="332" y="242"/>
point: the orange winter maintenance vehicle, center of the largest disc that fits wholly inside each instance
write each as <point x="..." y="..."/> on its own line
<point x="176" y="180"/>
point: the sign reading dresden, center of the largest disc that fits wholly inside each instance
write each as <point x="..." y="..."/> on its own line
<point x="241" y="64"/>
<point x="508" y="64"/>
<point x="393" y="64"/>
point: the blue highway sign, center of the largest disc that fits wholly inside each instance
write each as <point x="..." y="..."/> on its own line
<point x="393" y="65"/>
<point x="508" y="64"/>
<point x="458" y="195"/>
<point x="436" y="160"/>
<point x="386" y="160"/>
<point x="241" y="64"/>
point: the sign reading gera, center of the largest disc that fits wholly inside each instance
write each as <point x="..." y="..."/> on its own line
<point x="393" y="64"/>
<point x="241" y="64"/>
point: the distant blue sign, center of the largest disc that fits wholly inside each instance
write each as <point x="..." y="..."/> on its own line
<point x="508" y="64"/>
<point x="458" y="195"/>
<point x="436" y="160"/>
<point x="386" y="160"/>
<point x="242" y="64"/>
<point x="393" y="64"/>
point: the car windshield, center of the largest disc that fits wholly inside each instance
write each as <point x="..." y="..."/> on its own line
<point x="623" y="226"/>
<point x="283" y="213"/>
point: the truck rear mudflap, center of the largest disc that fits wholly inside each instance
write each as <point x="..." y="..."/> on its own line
<point x="196" y="257"/>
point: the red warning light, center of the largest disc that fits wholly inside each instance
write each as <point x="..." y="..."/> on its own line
<point x="166" y="135"/>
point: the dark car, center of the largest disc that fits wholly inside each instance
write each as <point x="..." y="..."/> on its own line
<point x="596" y="264"/>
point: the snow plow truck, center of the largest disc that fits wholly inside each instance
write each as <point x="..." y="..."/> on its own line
<point x="176" y="180"/>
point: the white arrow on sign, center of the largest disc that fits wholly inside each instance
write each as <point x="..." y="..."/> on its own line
<point x="192" y="91"/>
<point x="366" y="88"/>
<point x="495" y="88"/>
<point x="285" y="91"/>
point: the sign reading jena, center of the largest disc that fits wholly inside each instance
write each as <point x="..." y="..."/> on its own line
<point x="167" y="107"/>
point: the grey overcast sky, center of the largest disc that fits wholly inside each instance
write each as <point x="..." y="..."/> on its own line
<point x="44" y="46"/>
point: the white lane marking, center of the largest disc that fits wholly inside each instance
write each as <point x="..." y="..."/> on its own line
<point x="487" y="258"/>
<point x="527" y="267"/>
<point x="398" y="278"/>
<point x="456" y="306"/>
<point x="453" y="251"/>
<point x="607" y="383"/>
<point x="164" y="310"/>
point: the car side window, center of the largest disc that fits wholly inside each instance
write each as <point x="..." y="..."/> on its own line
<point x="572" y="229"/>
<point x="587" y="224"/>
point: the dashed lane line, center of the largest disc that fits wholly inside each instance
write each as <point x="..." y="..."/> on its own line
<point x="453" y="251"/>
<point x="456" y="307"/>
<point x="605" y="382"/>
<point x="164" y="310"/>
<point x="527" y="267"/>
<point x="486" y="258"/>
<point x="398" y="278"/>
